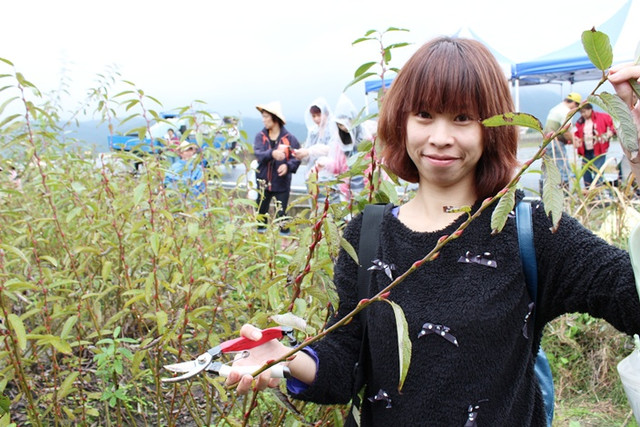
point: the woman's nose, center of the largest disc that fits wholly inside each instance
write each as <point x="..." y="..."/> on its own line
<point x="441" y="132"/>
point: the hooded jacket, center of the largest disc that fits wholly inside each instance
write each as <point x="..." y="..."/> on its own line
<point x="268" y="166"/>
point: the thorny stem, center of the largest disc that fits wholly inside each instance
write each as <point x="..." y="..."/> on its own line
<point x="124" y="267"/>
<point x="252" y="406"/>
<point x="11" y="345"/>
<point x="47" y="324"/>
<point x="317" y="237"/>
<point x="63" y="239"/>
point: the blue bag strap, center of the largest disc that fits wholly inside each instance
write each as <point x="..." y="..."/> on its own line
<point x="524" y="222"/>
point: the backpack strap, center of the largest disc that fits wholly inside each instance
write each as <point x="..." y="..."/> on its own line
<point x="368" y="245"/>
<point x="524" y="222"/>
<point x="367" y="248"/>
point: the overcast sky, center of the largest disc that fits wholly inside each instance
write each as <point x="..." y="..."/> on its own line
<point x="235" y="54"/>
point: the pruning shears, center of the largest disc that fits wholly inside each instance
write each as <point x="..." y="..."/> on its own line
<point x="206" y="361"/>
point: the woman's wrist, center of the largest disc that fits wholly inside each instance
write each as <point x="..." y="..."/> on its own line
<point x="303" y="367"/>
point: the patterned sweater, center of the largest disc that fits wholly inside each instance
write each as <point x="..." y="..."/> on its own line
<point x="489" y="368"/>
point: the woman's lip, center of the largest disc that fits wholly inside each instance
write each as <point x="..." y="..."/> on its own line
<point x="439" y="160"/>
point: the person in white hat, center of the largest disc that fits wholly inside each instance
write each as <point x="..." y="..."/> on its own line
<point x="273" y="147"/>
<point x="186" y="175"/>
<point x="555" y="118"/>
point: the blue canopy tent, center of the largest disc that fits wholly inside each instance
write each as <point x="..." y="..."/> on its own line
<point x="372" y="86"/>
<point x="569" y="64"/>
<point x="375" y="85"/>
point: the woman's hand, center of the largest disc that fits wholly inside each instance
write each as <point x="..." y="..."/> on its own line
<point x="301" y="153"/>
<point x="277" y="154"/>
<point x="258" y="356"/>
<point x="619" y="77"/>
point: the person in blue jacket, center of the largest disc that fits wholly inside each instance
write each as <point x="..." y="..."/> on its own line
<point x="186" y="175"/>
<point x="273" y="147"/>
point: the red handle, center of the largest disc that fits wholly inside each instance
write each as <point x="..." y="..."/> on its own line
<point x="242" y="343"/>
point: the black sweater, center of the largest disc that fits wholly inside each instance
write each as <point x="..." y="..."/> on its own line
<point x="485" y="308"/>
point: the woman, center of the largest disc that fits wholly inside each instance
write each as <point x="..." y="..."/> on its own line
<point x="591" y="139"/>
<point x="273" y="147"/>
<point x="431" y="133"/>
<point x="320" y="151"/>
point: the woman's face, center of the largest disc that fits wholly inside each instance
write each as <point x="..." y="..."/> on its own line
<point x="444" y="147"/>
<point x="317" y="118"/>
<point x="267" y="120"/>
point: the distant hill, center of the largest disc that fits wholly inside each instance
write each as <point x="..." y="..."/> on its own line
<point x="92" y="135"/>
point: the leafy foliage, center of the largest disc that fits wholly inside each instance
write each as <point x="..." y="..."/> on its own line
<point x="106" y="275"/>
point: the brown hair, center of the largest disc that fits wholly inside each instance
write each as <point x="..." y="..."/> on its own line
<point x="450" y="75"/>
<point x="315" y="109"/>
<point x="275" y="118"/>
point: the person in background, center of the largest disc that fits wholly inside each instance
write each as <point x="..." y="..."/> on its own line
<point x="172" y="138"/>
<point x="556" y="149"/>
<point x="591" y="138"/>
<point x="320" y="133"/>
<point x="273" y="147"/>
<point x="350" y="136"/>
<point x="186" y="175"/>
<point x="324" y="162"/>
<point x="473" y="339"/>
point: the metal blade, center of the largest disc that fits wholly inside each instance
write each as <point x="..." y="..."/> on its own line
<point x="188" y="369"/>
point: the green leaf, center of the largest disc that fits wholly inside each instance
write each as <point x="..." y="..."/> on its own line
<point x="68" y="325"/>
<point x="552" y="192"/>
<point x="363" y="68"/>
<point x="193" y="229"/>
<point x="621" y="116"/>
<point x="274" y="297"/>
<point x="397" y="45"/>
<point x="15" y="285"/>
<point x="349" y="249"/>
<point x="18" y="328"/>
<point x="138" y="193"/>
<point x="501" y="212"/>
<point x="635" y="86"/>
<point x="404" y="343"/>
<point x="58" y="343"/>
<point x="514" y="119"/>
<point x="395" y="29"/>
<point x="250" y="269"/>
<point x="5" y="402"/>
<point x="161" y="320"/>
<point x="67" y="385"/>
<point x="50" y="260"/>
<point x="358" y="79"/>
<point x="598" y="48"/>
<point x="106" y="270"/>
<point x="16" y="251"/>
<point x="154" y="241"/>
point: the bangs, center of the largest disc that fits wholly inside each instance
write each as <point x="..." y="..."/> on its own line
<point x="446" y="83"/>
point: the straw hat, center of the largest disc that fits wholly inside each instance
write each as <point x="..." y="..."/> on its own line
<point x="274" y="108"/>
<point x="185" y="145"/>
